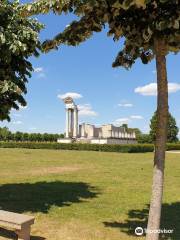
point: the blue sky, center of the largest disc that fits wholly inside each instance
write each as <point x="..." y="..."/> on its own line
<point x="106" y="95"/>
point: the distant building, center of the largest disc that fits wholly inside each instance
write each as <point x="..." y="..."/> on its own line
<point x="106" y="134"/>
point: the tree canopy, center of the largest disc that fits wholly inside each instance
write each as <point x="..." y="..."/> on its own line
<point x="138" y="21"/>
<point x="18" y="41"/>
<point x="172" y="128"/>
<point x="7" y="135"/>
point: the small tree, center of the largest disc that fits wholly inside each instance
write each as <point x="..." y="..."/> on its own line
<point x="144" y="138"/>
<point x="18" y="136"/>
<point x="150" y="29"/>
<point x="18" y="41"/>
<point x="4" y="134"/>
<point x="25" y="136"/>
<point x="62" y="135"/>
<point x="172" y="132"/>
<point x="125" y="126"/>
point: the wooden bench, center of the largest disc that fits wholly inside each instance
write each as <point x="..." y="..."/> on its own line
<point x="20" y="223"/>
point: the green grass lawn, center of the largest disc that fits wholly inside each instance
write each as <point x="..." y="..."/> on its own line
<point x="86" y="195"/>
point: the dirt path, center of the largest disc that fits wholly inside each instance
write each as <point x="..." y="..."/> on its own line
<point x="173" y="152"/>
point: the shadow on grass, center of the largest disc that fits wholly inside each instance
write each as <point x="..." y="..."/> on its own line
<point x="40" y="196"/>
<point x="11" y="235"/>
<point x="138" y="218"/>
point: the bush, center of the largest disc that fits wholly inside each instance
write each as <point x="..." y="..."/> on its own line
<point x="144" y="138"/>
<point x="128" y="148"/>
<point x="173" y="146"/>
<point x="124" y="148"/>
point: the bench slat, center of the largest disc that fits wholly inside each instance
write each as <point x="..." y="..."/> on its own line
<point x="15" y="220"/>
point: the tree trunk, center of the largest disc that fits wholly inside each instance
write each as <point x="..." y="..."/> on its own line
<point x="160" y="144"/>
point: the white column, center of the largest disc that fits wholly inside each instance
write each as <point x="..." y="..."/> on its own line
<point x="75" y="123"/>
<point x="83" y="130"/>
<point x="70" y="123"/>
<point x="67" y="123"/>
<point x="116" y="134"/>
<point x="134" y="135"/>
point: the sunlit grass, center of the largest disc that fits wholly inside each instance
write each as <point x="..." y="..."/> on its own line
<point x="86" y="195"/>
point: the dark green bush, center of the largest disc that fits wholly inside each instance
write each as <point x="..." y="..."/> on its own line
<point x="173" y="146"/>
<point x="128" y="148"/>
<point x="124" y="148"/>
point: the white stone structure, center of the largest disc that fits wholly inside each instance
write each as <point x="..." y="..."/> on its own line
<point x="72" y="128"/>
<point x="106" y="134"/>
<point x="71" y="118"/>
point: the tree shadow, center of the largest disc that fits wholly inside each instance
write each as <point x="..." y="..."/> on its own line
<point x="40" y="196"/>
<point x="138" y="218"/>
<point x="11" y="235"/>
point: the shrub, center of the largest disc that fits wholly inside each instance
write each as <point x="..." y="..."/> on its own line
<point x="173" y="146"/>
<point x="128" y="148"/>
<point x="124" y="148"/>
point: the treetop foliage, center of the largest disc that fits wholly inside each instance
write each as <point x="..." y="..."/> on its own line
<point x="140" y="22"/>
<point x="172" y="133"/>
<point x="7" y="135"/>
<point x="18" y="41"/>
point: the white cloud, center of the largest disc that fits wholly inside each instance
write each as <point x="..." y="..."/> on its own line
<point x="22" y="107"/>
<point x="41" y="75"/>
<point x="70" y="94"/>
<point x="154" y="71"/>
<point x="40" y="72"/>
<point x="38" y="69"/>
<point x="17" y="122"/>
<point x="121" y="121"/>
<point x="127" y="120"/>
<point x="147" y="90"/>
<point x="138" y="117"/>
<point x="86" y="110"/>
<point x="173" y="87"/>
<point x="151" y="89"/>
<point x="126" y="105"/>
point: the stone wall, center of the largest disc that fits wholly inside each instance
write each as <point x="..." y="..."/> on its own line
<point x="113" y="141"/>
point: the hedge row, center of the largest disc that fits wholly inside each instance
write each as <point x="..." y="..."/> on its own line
<point x="173" y="146"/>
<point x="128" y="148"/>
<point x="124" y="148"/>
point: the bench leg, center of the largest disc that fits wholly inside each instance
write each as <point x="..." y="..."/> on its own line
<point x="24" y="234"/>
